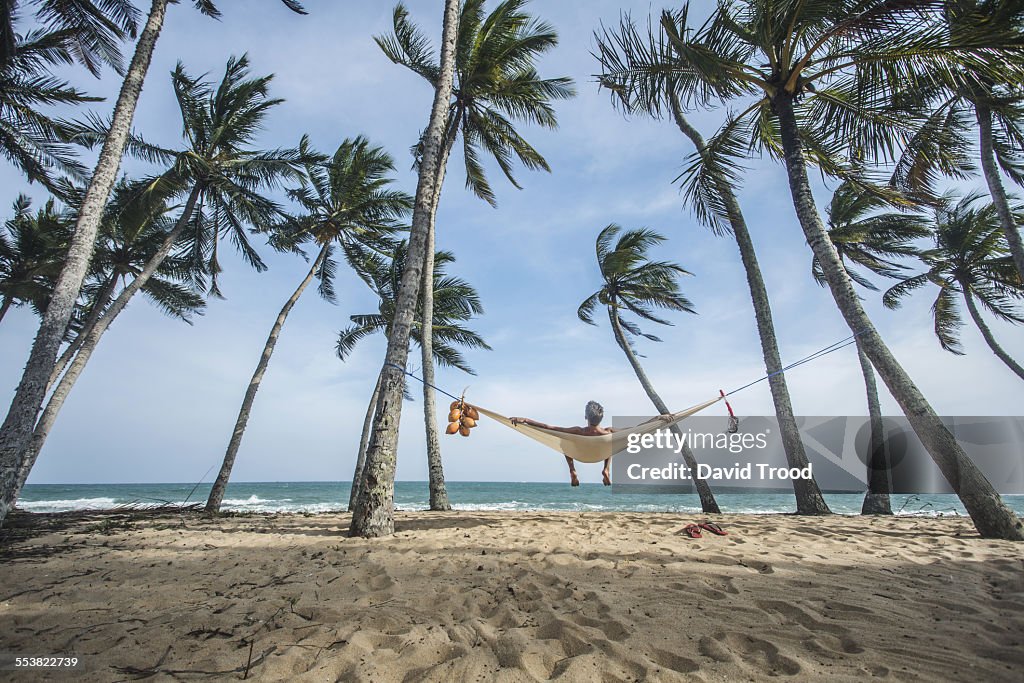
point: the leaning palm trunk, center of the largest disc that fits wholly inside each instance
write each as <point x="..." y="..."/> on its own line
<point x="19" y="425"/>
<point x="6" y="306"/>
<point x="876" y="499"/>
<point x="990" y="515"/>
<point x="995" y="188"/>
<point x="987" y="334"/>
<point x="221" y="483"/>
<point x="39" y="436"/>
<point x="809" y="500"/>
<point x="92" y="339"/>
<point x="364" y="441"/>
<point x="435" y="469"/>
<point x="100" y="305"/>
<point x="374" y="513"/>
<point x="708" y="503"/>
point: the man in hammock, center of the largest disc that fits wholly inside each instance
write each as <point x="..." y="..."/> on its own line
<point x="594" y="413"/>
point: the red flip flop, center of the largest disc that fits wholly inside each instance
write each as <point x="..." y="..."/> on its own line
<point x="691" y="530"/>
<point x="714" y="528"/>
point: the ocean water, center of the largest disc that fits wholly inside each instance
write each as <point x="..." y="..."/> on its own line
<point x="413" y="495"/>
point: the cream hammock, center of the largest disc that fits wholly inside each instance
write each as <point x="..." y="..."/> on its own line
<point x="594" y="448"/>
<point x="597" y="448"/>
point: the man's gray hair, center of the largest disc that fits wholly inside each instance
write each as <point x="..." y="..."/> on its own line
<point x="594" y="413"/>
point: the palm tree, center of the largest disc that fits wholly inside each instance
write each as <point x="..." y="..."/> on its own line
<point x="222" y="178"/>
<point x="970" y="260"/>
<point x="349" y="206"/>
<point x="816" y="78"/>
<point x="84" y="30"/>
<point x="496" y="85"/>
<point x="133" y="230"/>
<point x="89" y="30"/>
<point x="616" y="51"/>
<point x="632" y="283"/>
<point x="17" y="428"/>
<point x="456" y="302"/>
<point x="992" y="99"/>
<point x="32" y="247"/>
<point x="29" y="139"/>
<point x="374" y="511"/>
<point x="871" y="240"/>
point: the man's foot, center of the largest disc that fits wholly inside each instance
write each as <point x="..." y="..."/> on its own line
<point x="607" y="478"/>
<point x="574" y="479"/>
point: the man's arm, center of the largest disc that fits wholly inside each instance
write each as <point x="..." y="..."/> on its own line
<point x="534" y="423"/>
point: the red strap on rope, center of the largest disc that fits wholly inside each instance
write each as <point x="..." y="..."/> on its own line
<point x="727" y="406"/>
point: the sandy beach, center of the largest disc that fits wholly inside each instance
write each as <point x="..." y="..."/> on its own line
<point x="511" y="597"/>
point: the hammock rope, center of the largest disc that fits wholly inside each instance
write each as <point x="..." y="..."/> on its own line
<point x="820" y="353"/>
<point x="591" y="449"/>
<point x="422" y="381"/>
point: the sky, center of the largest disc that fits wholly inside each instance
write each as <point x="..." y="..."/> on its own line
<point x="159" y="398"/>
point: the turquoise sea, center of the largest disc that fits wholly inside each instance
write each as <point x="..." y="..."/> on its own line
<point x="412" y="495"/>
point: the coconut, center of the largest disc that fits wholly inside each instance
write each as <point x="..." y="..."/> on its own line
<point x="472" y="412"/>
<point x="454" y="405"/>
<point x="464" y="431"/>
<point x="469" y="422"/>
<point x="454" y="415"/>
<point x="452" y="428"/>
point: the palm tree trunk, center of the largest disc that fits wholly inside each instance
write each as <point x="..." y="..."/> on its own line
<point x="18" y="427"/>
<point x="6" y="306"/>
<point x="707" y="499"/>
<point x="809" y="500"/>
<point x="435" y="469"/>
<point x="995" y="187"/>
<point x="100" y="305"/>
<point x="74" y="371"/>
<point x="990" y="515"/>
<point x="364" y="441"/>
<point x="220" y="485"/>
<point x="374" y="513"/>
<point x="876" y="499"/>
<point x="987" y="334"/>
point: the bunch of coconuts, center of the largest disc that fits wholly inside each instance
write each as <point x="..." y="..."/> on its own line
<point x="462" y="417"/>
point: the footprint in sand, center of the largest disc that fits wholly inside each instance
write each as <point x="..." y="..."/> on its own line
<point x="826" y="638"/>
<point x="612" y="629"/>
<point x="761" y="655"/>
<point x="760" y="567"/>
<point x="712" y="649"/>
<point x="573" y="644"/>
<point x="831" y="647"/>
<point x="674" y="662"/>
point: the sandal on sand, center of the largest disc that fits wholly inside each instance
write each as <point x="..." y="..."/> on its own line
<point x="691" y="530"/>
<point x="714" y="528"/>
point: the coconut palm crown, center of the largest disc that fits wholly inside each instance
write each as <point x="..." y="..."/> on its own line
<point x="867" y="238"/>
<point x="970" y="261"/>
<point x="455" y="302"/>
<point x="223" y="180"/>
<point x="346" y="202"/>
<point x="632" y="283"/>
<point x="32" y="247"/>
<point x="496" y="83"/>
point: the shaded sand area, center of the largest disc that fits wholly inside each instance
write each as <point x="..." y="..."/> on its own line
<point x="475" y="596"/>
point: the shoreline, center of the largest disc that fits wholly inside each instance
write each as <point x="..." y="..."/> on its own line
<point x="511" y="596"/>
<point x="332" y="497"/>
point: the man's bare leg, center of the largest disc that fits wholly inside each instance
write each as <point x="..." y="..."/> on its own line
<point x="607" y="477"/>
<point x="572" y="471"/>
